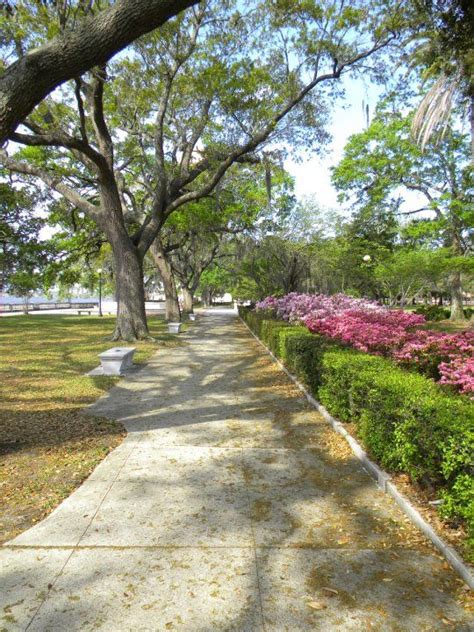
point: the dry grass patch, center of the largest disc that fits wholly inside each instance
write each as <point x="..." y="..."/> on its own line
<point x="47" y="446"/>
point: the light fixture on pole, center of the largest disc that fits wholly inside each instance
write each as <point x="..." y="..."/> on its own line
<point x="100" y="291"/>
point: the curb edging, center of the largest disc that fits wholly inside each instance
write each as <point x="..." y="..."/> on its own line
<point x="382" y="478"/>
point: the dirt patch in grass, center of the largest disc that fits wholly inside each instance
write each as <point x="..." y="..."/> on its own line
<point x="449" y="326"/>
<point x="47" y="446"/>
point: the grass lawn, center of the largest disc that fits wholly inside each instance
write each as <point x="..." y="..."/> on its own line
<point x="448" y="326"/>
<point x="47" y="447"/>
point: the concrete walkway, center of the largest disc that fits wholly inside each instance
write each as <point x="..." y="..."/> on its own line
<point x="231" y="505"/>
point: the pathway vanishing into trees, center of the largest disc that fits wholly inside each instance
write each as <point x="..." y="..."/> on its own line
<point x="231" y="505"/>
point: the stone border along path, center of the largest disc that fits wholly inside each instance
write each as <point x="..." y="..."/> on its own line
<point x="383" y="479"/>
<point x="231" y="505"/>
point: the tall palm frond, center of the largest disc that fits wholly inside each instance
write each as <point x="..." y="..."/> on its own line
<point x="432" y="115"/>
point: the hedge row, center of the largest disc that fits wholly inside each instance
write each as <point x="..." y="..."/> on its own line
<point x="407" y="422"/>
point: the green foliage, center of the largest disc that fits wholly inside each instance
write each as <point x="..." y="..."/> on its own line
<point x="383" y="162"/>
<point x="438" y="312"/>
<point x="272" y="266"/>
<point x="185" y="104"/>
<point x="459" y="503"/>
<point x="282" y="345"/>
<point x="270" y="333"/>
<point x="304" y="353"/>
<point x="341" y="368"/>
<point x="23" y="255"/>
<point x="432" y="312"/>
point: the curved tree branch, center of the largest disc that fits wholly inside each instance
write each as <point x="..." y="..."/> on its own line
<point x="30" y="79"/>
<point x="53" y="181"/>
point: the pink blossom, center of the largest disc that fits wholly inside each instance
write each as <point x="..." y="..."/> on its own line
<point x="372" y="328"/>
<point x="459" y="372"/>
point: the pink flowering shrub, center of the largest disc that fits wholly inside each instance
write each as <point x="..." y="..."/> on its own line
<point x="372" y="336"/>
<point x="294" y="307"/>
<point x="458" y="372"/>
<point x="447" y="357"/>
<point x="372" y="328"/>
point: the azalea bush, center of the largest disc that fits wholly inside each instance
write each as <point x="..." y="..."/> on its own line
<point x="294" y="307"/>
<point x="444" y="357"/>
<point x="373" y="328"/>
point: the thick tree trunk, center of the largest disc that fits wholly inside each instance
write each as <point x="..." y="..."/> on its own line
<point x="457" y="312"/>
<point x="188" y="300"/>
<point x="173" y="313"/>
<point x="207" y="298"/>
<point x="30" y="79"/>
<point x="131" y="321"/>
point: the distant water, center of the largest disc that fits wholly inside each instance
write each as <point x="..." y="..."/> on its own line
<point x="15" y="300"/>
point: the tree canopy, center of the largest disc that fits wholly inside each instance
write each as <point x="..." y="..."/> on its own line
<point x="130" y="144"/>
<point x="82" y="37"/>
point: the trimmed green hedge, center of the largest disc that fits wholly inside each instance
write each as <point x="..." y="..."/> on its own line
<point x="406" y="421"/>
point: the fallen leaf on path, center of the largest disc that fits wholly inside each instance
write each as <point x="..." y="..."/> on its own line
<point x="330" y="590"/>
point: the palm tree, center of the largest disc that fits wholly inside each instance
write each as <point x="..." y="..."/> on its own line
<point x="447" y="55"/>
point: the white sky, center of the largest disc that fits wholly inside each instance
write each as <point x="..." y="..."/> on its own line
<point x="313" y="176"/>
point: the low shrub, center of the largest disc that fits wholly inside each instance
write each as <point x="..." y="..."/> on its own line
<point x="396" y="409"/>
<point x="372" y="328"/>
<point x="406" y="422"/>
<point x="340" y="369"/>
<point x="270" y="331"/>
<point x="283" y="336"/>
<point x="432" y="312"/>
<point x="304" y="354"/>
<point x="438" y="312"/>
<point x="254" y="319"/>
<point x="243" y="310"/>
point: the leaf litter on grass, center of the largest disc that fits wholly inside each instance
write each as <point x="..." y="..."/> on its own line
<point x="47" y="446"/>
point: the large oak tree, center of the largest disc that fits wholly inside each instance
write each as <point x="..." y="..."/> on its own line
<point x="160" y="128"/>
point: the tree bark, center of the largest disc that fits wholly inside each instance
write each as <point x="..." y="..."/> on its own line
<point x="173" y="313"/>
<point x="457" y="311"/>
<point x="131" y="321"/>
<point x="188" y="300"/>
<point x="207" y="297"/>
<point x="32" y="77"/>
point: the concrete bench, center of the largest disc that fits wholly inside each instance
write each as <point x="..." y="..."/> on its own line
<point x="117" y="360"/>
<point x="84" y="311"/>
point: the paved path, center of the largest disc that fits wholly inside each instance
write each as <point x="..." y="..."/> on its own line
<point x="231" y="505"/>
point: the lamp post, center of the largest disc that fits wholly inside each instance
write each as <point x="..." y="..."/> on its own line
<point x="100" y="291"/>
